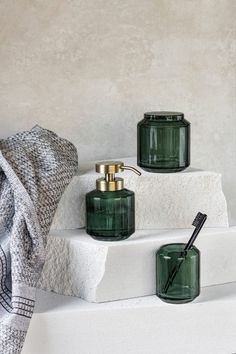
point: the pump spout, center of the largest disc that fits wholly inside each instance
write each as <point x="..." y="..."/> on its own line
<point x="131" y="169"/>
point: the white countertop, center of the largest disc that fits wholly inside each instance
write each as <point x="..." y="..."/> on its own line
<point x="67" y="325"/>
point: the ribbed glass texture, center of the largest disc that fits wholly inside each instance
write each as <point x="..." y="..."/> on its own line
<point x="163" y="142"/>
<point x="177" y="273"/>
<point x="110" y="216"/>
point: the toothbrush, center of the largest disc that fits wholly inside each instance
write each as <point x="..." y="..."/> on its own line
<point x="198" y="222"/>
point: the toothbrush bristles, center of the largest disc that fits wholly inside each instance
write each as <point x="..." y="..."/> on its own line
<point x="198" y="219"/>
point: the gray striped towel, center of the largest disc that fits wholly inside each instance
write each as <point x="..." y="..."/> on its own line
<point x="35" y="168"/>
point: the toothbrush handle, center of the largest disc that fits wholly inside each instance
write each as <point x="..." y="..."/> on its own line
<point x="172" y="276"/>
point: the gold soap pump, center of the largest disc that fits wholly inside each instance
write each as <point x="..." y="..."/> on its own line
<point x="110" y="182"/>
<point x="110" y="208"/>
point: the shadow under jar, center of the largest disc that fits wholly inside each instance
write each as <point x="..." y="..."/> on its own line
<point x="163" y="142"/>
<point x="178" y="273"/>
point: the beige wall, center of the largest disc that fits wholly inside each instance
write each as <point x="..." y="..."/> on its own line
<point x="88" y="69"/>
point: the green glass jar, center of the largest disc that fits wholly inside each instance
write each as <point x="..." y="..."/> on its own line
<point x="110" y="208"/>
<point x="178" y="273"/>
<point x="163" y="142"/>
<point x="110" y="215"/>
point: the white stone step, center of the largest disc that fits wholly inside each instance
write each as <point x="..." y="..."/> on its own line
<point x="67" y="325"/>
<point x="99" y="271"/>
<point x="162" y="200"/>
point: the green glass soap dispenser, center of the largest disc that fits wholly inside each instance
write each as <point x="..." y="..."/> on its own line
<point x="110" y="208"/>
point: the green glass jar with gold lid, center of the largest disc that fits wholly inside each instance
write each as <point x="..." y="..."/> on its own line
<point x="110" y="208"/>
<point x="163" y="142"/>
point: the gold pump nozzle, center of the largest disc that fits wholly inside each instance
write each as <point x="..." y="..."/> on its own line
<point x="130" y="168"/>
<point x="112" y="183"/>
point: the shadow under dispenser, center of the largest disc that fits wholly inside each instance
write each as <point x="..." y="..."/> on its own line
<point x="110" y="208"/>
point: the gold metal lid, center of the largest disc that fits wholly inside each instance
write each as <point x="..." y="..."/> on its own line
<point x="110" y="182"/>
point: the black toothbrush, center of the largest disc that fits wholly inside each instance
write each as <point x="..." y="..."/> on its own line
<point x="198" y="222"/>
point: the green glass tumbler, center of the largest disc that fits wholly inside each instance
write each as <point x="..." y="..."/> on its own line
<point x="163" y="142"/>
<point x="178" y="273"/>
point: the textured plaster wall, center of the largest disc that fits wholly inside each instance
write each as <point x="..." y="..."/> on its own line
<point x="88" y="69"/>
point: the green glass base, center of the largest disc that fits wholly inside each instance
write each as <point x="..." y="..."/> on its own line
<point x="109" y="239"/>
<point x="105" y="236"/>
<point x="176" y="301"/>
<point x="162" y="170"/>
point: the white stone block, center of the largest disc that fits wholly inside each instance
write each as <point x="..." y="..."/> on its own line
<point x="99" y="271"/>
<point x="162" y="200"/>
<point x="67" y="325"/>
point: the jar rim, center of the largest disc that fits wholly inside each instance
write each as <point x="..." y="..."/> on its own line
<point x="164" y="115"/>
<point x="174" y="244"/>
